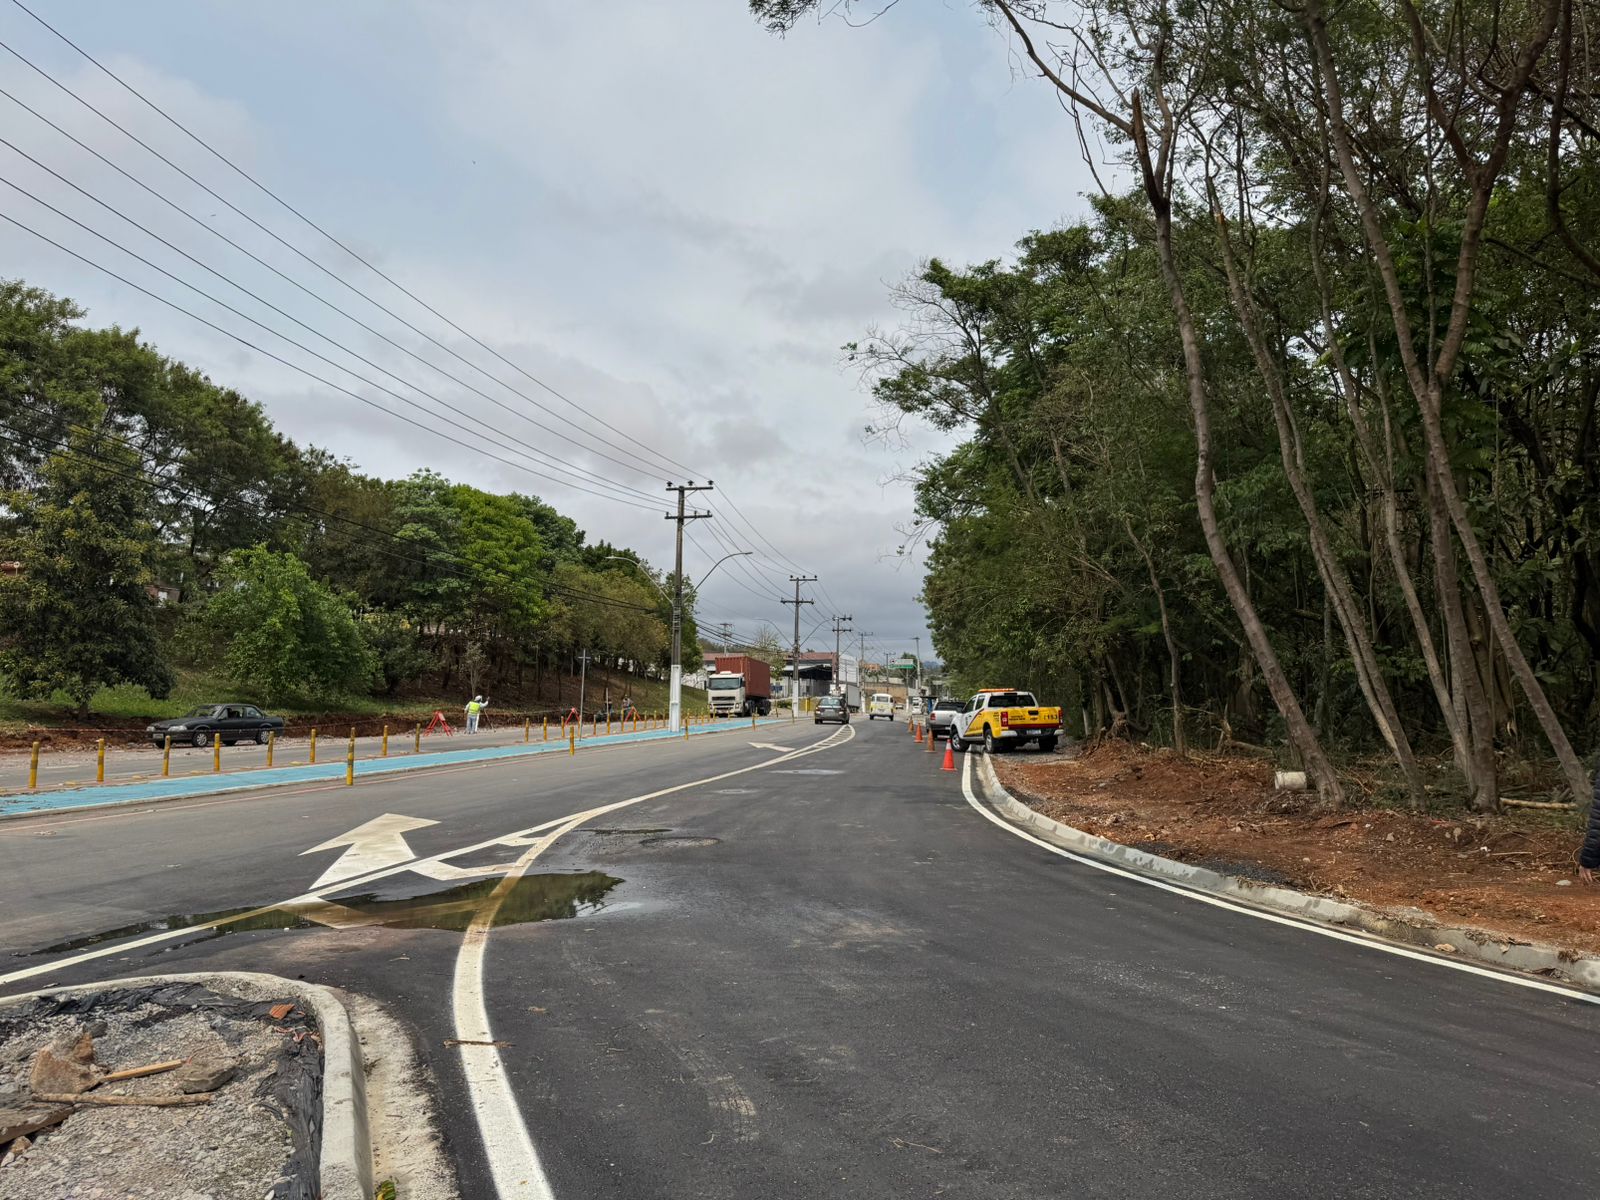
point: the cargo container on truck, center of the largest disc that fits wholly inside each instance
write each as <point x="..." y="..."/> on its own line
<point x="739" y="686"/>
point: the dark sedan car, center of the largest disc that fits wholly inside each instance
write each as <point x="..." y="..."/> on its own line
<point x="831" y="708"/>
<point x="228" y="723"/>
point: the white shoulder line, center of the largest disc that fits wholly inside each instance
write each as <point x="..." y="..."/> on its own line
<point x="1537" y="985"/>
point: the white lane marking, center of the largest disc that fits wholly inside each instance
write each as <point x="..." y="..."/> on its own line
<point x="379" y="843"/>
<point x="770" y="746"/>
<point x="305" y="898"/>
<point x="513" y="1158"/>
<point x="1537" y="985"/>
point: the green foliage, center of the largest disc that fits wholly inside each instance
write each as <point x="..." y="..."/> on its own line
<point x="76" y="614"/>
<point x="280" y="632"/>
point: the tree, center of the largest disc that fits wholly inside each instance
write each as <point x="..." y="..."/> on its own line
<point x="77" y="615"/>
<point x="281" y="632"/>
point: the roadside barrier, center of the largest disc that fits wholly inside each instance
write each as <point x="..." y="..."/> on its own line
<point x="216" y="756"/>
<point x="313" y="743"/>
<point x="100" y="761"/>
<point x="166" y="755"/>
<point x="385" y="741"/>
<point x="272" y="744"/>
<point x="33" y="768"/>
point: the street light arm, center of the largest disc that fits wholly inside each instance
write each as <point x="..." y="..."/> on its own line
<point x="718" y="563"/>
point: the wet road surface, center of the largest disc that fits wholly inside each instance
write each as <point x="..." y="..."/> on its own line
<point x="829" y="976"/>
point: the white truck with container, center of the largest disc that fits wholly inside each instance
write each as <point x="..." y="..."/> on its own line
<point x="739" y="686"/>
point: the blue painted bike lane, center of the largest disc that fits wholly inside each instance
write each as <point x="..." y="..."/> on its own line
<point x="103" y="795"/>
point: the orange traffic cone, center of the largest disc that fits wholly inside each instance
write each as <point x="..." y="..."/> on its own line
<point x="949" y="758"/>
<point x="931" y="741"/>
<point x="918" y="732"/>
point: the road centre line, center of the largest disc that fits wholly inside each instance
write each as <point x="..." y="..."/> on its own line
<point x="513" y="1159"/>
<point x="1538" y="985"/>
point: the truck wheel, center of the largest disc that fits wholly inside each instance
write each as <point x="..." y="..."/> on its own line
<point x="990" y="746"/>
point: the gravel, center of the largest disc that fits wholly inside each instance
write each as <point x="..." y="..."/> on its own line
<point x="247" y="1143"/>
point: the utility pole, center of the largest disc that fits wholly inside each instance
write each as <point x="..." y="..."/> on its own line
<point x="794" y="699"/>
<point x="725" y="629"/>
<point x="861" y="660"/>
<point x="840" y="626"/>
<point x="918" y="640"/>
<point x="675" y="706"/>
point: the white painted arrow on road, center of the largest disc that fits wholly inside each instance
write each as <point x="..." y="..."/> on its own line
<point x="769" y="746"/>
<point x="380" y="843"/>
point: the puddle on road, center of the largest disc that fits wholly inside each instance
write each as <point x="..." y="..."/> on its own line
<point x="410" y="903"/>
<point x="546" y="897"/>
<point x="673" y="842"/>
<point x="273" y="919"/>
<point x="626" y="832"/>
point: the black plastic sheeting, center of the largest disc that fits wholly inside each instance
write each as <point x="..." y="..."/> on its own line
<point x="293" y="1092"/>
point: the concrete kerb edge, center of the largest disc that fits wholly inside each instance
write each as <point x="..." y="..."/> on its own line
<point x="239" y="781"/>
<point x="1482" y="945"/>
<point x="345" y="1153"/>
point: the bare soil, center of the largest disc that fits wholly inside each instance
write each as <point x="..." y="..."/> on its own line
<point x="1511" y="875"/>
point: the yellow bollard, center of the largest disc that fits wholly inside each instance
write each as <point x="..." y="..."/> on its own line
<point x="385" y="741"/>
<point x="216" y="755"/>
<point x="547" y="729"/>
<point x="166" y="756"/>
<point x="572" y="738"/>
<point x="313" y="743"/>
<point x="33" y="768"/>
<point x="752" y="720"/>
<point x="350" y="763"/>
<point x="100" y="761"/>
<point x="418" y="747"/>
<point x="594" y="726"/>
<point x="608" y="722"/>
<point x="527" y="729"/>
<point x="272" y="744"/>
<point x="351" y="751"/>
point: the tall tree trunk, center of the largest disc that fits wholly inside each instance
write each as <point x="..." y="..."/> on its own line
<point x="1301" y="737"/>
<point x="1427" y="382"/>
<point x="1335" y="581"/>
<point x="1174" y="674"/>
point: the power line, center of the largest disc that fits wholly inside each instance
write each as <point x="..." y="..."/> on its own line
<point x="289" y="245"/>
<point x="456" y="379"/>
<point x="312" y="374"/>
<point x="553" y="464"/>
<point x="192" y="136"/>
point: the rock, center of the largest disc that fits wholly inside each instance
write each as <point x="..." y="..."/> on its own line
<point x="205" y="1074"/>
<point x="82" y="1051"/>
<point x="54" y="1075"/>
<point x="21" y="1146"/>
<point x="1563" y="883"/>
<point x="1445" y="948"/>
<point x="19" y="1122"/>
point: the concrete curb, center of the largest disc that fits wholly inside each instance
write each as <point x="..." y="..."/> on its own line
<point x="1418" y="931"/>
<point x="345" y="1154"/>
<point x="188" y="787"/>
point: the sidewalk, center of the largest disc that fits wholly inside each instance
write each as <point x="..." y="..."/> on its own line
<point x="209" y="783"/>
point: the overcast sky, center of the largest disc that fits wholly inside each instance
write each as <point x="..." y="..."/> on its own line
<point x="669" y="216"/>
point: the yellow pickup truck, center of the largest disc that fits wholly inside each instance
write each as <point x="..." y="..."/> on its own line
<point x="1000" y="718"/>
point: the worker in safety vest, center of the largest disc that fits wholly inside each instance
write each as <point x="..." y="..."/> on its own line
<point x="475" y="708"/>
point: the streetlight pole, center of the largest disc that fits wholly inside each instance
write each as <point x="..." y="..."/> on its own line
<point x="675" y="703"/>
<point x="840" y="626"/>
<point x="794" y="697"/>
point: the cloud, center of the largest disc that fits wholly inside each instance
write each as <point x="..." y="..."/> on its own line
<point x="667" y="215"/>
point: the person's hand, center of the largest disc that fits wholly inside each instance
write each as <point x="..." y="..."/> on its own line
<point x="1586" y="874"/>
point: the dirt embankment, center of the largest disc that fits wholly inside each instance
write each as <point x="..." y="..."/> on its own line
<point x="1510" y="874"/>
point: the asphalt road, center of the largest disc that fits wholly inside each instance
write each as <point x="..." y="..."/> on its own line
<point x="829" y="976"/>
